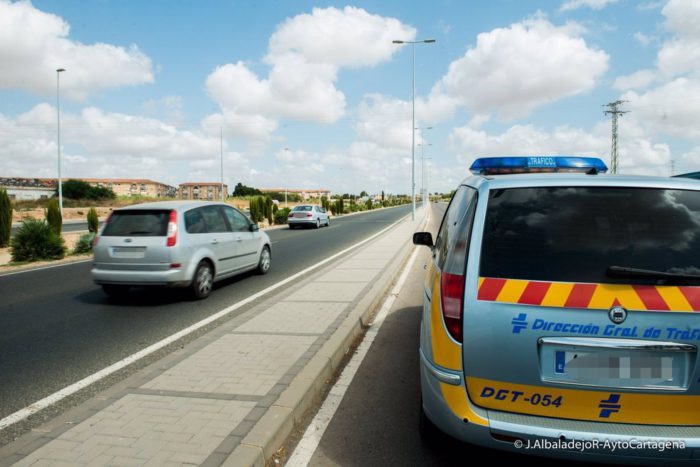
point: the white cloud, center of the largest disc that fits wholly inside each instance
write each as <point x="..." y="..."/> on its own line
<point x="637" y="154"/>
<point x="594" y="4"/>
<point x="33" y="44"/>
<point x="692" y="159"/>
<point x="642" y="38"/>
<point x="637" y="80"/>
<point x="672" y="108"/>
<point x="513" y="70"/>
<point x="96" y="143"/>
<point x="305" y="53"/>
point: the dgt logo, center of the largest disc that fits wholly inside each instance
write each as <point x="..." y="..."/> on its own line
<point x="609" y="406"/>
<point x="519" y="323"/>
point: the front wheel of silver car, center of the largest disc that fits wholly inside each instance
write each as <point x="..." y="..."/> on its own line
<point x="203" y="280"/>
<point x="265" y="261"/>
<point x="318" y="223"/>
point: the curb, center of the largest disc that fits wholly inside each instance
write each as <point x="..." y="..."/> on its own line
<point x="272" y="430"/>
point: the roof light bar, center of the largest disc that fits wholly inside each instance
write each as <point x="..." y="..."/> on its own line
<point x="534" y="164"/>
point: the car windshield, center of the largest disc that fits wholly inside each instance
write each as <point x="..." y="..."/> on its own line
<point x="137" y="223"/>
<point x="574" y="234"/>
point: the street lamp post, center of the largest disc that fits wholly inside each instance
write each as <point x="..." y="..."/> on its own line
<point x="286" y="205"/>
<point x="422" y="163"/>
<point x="221" y="142"/>
<point x="58" y="133"/>
<point x="413" y="121"/>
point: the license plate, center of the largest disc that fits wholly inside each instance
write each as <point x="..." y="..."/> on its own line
<point x="128" y="252"/>
<point x="615" y="367"/>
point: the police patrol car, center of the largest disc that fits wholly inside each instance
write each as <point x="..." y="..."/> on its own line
<point x="561" y="313"/>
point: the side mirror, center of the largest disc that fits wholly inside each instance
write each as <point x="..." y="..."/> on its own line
<point x="423" y="238"/>
<point x="254" y="227"/>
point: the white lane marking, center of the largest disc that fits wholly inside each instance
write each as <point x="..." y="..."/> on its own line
<point x="75" y="387"/>
<point x="45" y="267"/>
<point x="312" y="436"/>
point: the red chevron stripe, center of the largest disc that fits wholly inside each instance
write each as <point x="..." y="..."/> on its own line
<point x="692" y="294"/>
<point x="651" y="297"/>
<point x="580" y="296"/>
<point x="490" y="289"/>
<point x="534" y="293"/>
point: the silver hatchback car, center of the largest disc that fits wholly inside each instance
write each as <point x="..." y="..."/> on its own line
<point x="177" y="244"/>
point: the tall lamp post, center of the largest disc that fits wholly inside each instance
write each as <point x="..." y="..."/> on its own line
<point x="422" y="162"/>
<point x="427" y="182"/>
<point x="58" y="132"/>
<point x="413" y="121"/>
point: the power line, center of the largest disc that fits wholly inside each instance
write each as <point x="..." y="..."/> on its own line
<point x="615" y="112"/>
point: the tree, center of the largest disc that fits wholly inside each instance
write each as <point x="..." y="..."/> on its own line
<point x="79" y="189"/>
<point x="268" y="210"/>
<point x="382" y="196"/>
<point x="368" y="204"/>
<point x="363" y="193"/>
<point x="92" y="220"/>
<point x="53" y="216"/>
<point x="325" y="204"/>
<point x="242" y="190"/>
<point x="5" y="218"/>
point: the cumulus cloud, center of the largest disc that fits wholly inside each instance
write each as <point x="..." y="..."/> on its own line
<point x="96" y="143"/>
<point x="637" y="80"/>
<point x="33" y="44"/>
<point x="499" y="74"/>
<point x="305" y="53"/>
<point x="593" y="4"/>
<point x="637" y="154"/>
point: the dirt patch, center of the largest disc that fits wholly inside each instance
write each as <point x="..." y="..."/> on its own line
<point x="68" y="213"/>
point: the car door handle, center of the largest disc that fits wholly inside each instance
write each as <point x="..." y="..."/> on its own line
<point x="215" y="242"/>
<point x="239" y="239"/>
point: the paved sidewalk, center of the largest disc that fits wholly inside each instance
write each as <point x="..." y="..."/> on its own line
<point x="232" y="396"/>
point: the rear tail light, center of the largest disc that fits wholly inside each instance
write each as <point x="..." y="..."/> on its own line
<point x="172" y="229"/>
<point x="96" y="238"/>
<point x="452" y="296"/>
<point x="308" y="214"/>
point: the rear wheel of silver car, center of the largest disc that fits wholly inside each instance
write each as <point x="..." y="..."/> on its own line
<point x="318" y="223"/>
<point x="328" y="222"/>
<point x="203" y="280"/>
<point x="115" y="291"/>
<point x="265" y="260"/>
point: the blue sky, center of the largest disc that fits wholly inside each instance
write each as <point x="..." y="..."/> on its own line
<point x="316" y="96"/>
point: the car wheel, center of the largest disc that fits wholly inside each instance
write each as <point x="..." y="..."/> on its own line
<point x="429" y="433"/>
<point x="115" y="291"/>
<point x="265" y="260"/>
<point x="203" y="280"/>
<point x="318" y="223"/>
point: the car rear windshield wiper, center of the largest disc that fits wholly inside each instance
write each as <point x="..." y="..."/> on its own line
<point x="621" y="271"/>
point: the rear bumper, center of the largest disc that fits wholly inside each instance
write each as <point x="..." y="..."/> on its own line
<point x="307" y="221"/>
<point x="171" y="277"/>
<point x="557" y="438"/>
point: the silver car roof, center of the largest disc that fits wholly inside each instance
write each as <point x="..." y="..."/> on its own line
<point x="176" y="205"/>
<point x="579" y="179"/>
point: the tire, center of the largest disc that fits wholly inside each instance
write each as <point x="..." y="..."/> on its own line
<point x="265" y="261"/>
<point x="115" y="291"/>
<point x="429" y="433"/>
<point x="328" y="221"/>
<point x="202" y="281"/>
<point x="318" y="223"/>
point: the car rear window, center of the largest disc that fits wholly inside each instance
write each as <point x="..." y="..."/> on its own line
<point x="573" y="234"/>
<point x="303" y="208"/>
<point x="137" y="223"/>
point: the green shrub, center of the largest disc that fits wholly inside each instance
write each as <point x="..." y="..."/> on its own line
<point x="281" y="216"/>
<point x="5" y="219"/>
<point x="368" y="204"/>
<point x="268" y="209"/>
<point x="84" y="244"/>
<point x="92" y="220"/>
<point x="35" y="240"/>
<point x="78" y="189"/>
<point x="53" y="216"/>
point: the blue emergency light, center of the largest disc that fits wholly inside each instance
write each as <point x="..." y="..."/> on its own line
<point x="532" y="164"/>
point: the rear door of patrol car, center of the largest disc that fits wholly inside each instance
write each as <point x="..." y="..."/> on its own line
<point x="581" y="302"/>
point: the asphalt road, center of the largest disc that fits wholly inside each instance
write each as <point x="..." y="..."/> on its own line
<point x="377" y="420"/>
<point x="56" y="326"/>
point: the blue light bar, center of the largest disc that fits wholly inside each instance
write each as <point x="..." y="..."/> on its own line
<point x="533" y="164"/>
